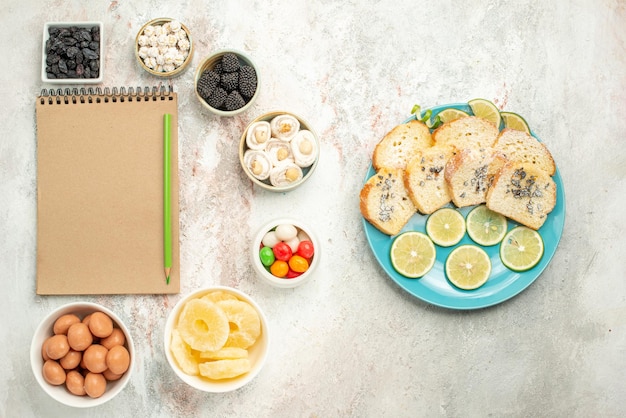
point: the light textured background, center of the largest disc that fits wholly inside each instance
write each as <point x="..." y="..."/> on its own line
<point x="351" y="343"/>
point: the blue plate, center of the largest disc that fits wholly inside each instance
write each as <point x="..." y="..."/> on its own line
<point x="503" y="283"/>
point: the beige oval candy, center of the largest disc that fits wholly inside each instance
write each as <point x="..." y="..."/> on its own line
<point x="116" y="338"/>
<point x="110" y="376"/>
<point x="62" y="324"/>
<point x="57" y="346"/>
<point x="75" y="383"/>
<point x="53" y="373"/>
<point x="95" y="385"/>
<point x="118" y="359"/>
<point x="71" y="360"/>
<point x="100" y="324"/>
<point x="94" y="358"/>
<point x="79" y="336"/>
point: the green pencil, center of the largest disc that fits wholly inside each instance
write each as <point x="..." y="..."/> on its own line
<point x="167" y="215"/>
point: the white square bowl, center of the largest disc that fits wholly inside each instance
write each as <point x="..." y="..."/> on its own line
<point x="46" y="36"/>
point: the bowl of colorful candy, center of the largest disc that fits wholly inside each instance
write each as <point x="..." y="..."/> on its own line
<point x="279" y="151"/>
<point x="285" y="253"/>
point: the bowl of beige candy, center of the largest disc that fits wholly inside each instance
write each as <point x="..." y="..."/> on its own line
<point x="279" y="151"/>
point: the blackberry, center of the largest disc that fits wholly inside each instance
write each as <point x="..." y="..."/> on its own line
<point x="207" y="83"/>
<point x="217" y="68"/>
<point x="234" y="101"/>
<point x="217" y="98"/>
<point x="230" y="62"/>
<point x="247" y="81"/>
<point x="229" y="81"/>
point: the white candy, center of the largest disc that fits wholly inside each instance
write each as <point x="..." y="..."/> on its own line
<point x="183" y="44"/>
<point x="150" y="62"/>
<point x="175" y="26"/>
<point x="302" y="236"/>
<point x="163" y="48"/>
<point x="286" y="232"/>
<point x="162" y="39"/>
<point x="148" y="31"/>
<point x="143" y="52"/>
<point x="293" y="244"/>
<point x="143" y="40"/>
<point x="270" y="239"/>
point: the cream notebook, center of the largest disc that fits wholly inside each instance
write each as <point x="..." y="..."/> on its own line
<point x="100" y="191"/>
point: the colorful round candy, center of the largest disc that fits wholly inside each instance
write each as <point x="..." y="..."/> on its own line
<point x="267" y="256"/>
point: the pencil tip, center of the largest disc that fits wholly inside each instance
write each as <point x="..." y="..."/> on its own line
<point x="167" y="280"/>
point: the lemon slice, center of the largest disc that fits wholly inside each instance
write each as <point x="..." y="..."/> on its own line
<point x="485" y="227"/>
<point x="468" y="267"/>
<point x="521" y="248"/>
<point x="446" y="227"/>
<point x="486" y="110"/>
<point x="450" y="114"/>
<point x="412" y="254"/>
<point x="515" y="121"/>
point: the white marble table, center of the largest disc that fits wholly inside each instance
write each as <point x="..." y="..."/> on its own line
<point x="351" y="342"/>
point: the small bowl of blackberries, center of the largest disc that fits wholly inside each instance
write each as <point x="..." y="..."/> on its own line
<point x="227" y="82"/>
<point x="72" y="53"/>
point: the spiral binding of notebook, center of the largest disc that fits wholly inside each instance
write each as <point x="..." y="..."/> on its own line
<point x="98" y="95"/>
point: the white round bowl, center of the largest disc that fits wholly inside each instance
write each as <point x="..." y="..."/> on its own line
<point x="257" y="353"/>
<point x="262" y="270"/>
<point x="307" y="172"/>
<point x="209" y="62"/>
<point x="60" y="393"/>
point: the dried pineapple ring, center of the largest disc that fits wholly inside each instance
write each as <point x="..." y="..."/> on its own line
<point x="182" y="354"/>
<point x="224" y="369"/>
<point x="226" y="353"/>
<point x="203" y="325"/>
<point x="244" y="322"/>
<point x="219" y="295"/>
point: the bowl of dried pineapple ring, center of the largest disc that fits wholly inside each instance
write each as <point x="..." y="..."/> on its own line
<point x="216" y="339"/>
<point x="279" y="151"/>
